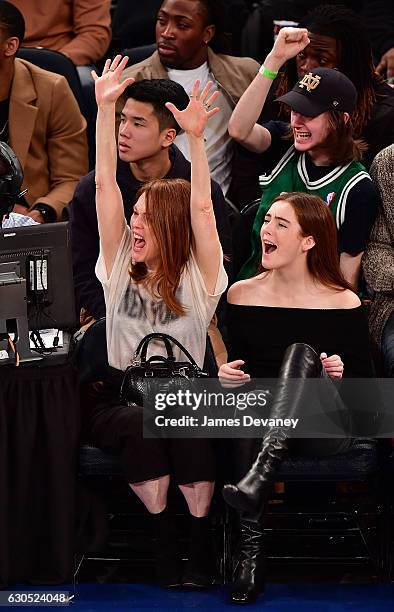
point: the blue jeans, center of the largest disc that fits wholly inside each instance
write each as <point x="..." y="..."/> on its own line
<point x="387" y="347"/>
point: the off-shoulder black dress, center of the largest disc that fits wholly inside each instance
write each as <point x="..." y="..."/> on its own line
<point x="260" y="335"/>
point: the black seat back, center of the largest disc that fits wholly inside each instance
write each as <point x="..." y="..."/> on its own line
<point x="138" y="54"/>
<point x="242" y="231"/>
<point x="133" y="23"/>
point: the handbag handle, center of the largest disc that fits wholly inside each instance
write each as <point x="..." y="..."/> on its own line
<point x="157" y="359"/>
<point x="142" y="348"/>
<point x="166" y="338"/>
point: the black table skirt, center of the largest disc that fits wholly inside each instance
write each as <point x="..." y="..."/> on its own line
<point x="39" y="442"/>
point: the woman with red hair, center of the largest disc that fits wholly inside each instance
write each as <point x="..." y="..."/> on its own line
<point x="164" y="273"/>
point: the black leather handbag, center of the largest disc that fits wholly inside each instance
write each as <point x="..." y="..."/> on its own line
<point x="138" y="376"/>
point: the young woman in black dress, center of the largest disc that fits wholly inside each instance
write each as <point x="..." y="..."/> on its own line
<point x="293" y="320"/>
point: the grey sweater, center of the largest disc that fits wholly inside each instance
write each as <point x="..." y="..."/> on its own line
<point x="378" y="260"/>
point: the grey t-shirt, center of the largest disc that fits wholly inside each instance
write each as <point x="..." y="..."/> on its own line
<point x="133" y="313"/>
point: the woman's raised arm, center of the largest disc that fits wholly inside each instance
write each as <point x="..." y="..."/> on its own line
<point x="109" y="204"/>
<point x="243" y="126"/>
<point x="206" y="240"/>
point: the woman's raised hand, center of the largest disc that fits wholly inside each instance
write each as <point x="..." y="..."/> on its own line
<point x="107" y="86"/>
<point x="289" y="42"/>
<point x="230" y="374"/>
<point x="333" y="365"/>
<point x="195" y="116"/>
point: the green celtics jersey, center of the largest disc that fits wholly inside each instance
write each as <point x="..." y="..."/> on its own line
<point x="290" y="174"/>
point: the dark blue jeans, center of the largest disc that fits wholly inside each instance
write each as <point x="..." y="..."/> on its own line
<point x="387" y="347"/>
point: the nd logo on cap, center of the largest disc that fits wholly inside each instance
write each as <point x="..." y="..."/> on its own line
<point x="321" y="90"/>
<point x="310" y="81"/>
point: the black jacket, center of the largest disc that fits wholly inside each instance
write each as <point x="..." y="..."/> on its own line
<point x="84" y="228"/>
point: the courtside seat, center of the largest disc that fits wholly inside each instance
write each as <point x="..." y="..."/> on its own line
<point x="335" y="508"/>
<point x="354" y="465"/>
<point x="95" y="462"/>
<point x="118" y="530"/>
<point x="121" y="530"/>
<point x="389" y="524"/>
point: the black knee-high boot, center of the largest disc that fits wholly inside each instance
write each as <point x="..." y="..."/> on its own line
<point x="249" y="567"/>
<point x="300" y="362"/>
<point x="168" y="566"/>
<point x="199" y="571"/>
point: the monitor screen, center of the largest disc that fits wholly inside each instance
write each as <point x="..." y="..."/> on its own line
<point x="41" y="254"/>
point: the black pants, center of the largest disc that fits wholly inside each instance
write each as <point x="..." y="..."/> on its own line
<point x="118" y="429"/>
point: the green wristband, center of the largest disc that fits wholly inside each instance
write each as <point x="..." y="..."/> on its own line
<point x="269" y="74"/>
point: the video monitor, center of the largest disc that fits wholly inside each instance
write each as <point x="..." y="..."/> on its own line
<point x="39" y="257"/>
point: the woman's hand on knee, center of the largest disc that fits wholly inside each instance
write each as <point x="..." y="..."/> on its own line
<point x="230" y="374"/>
<point x="333" y="365"/>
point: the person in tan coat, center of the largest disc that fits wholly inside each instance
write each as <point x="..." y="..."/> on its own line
<point x="78" y="28"/>
<point x="40" y="119"/>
